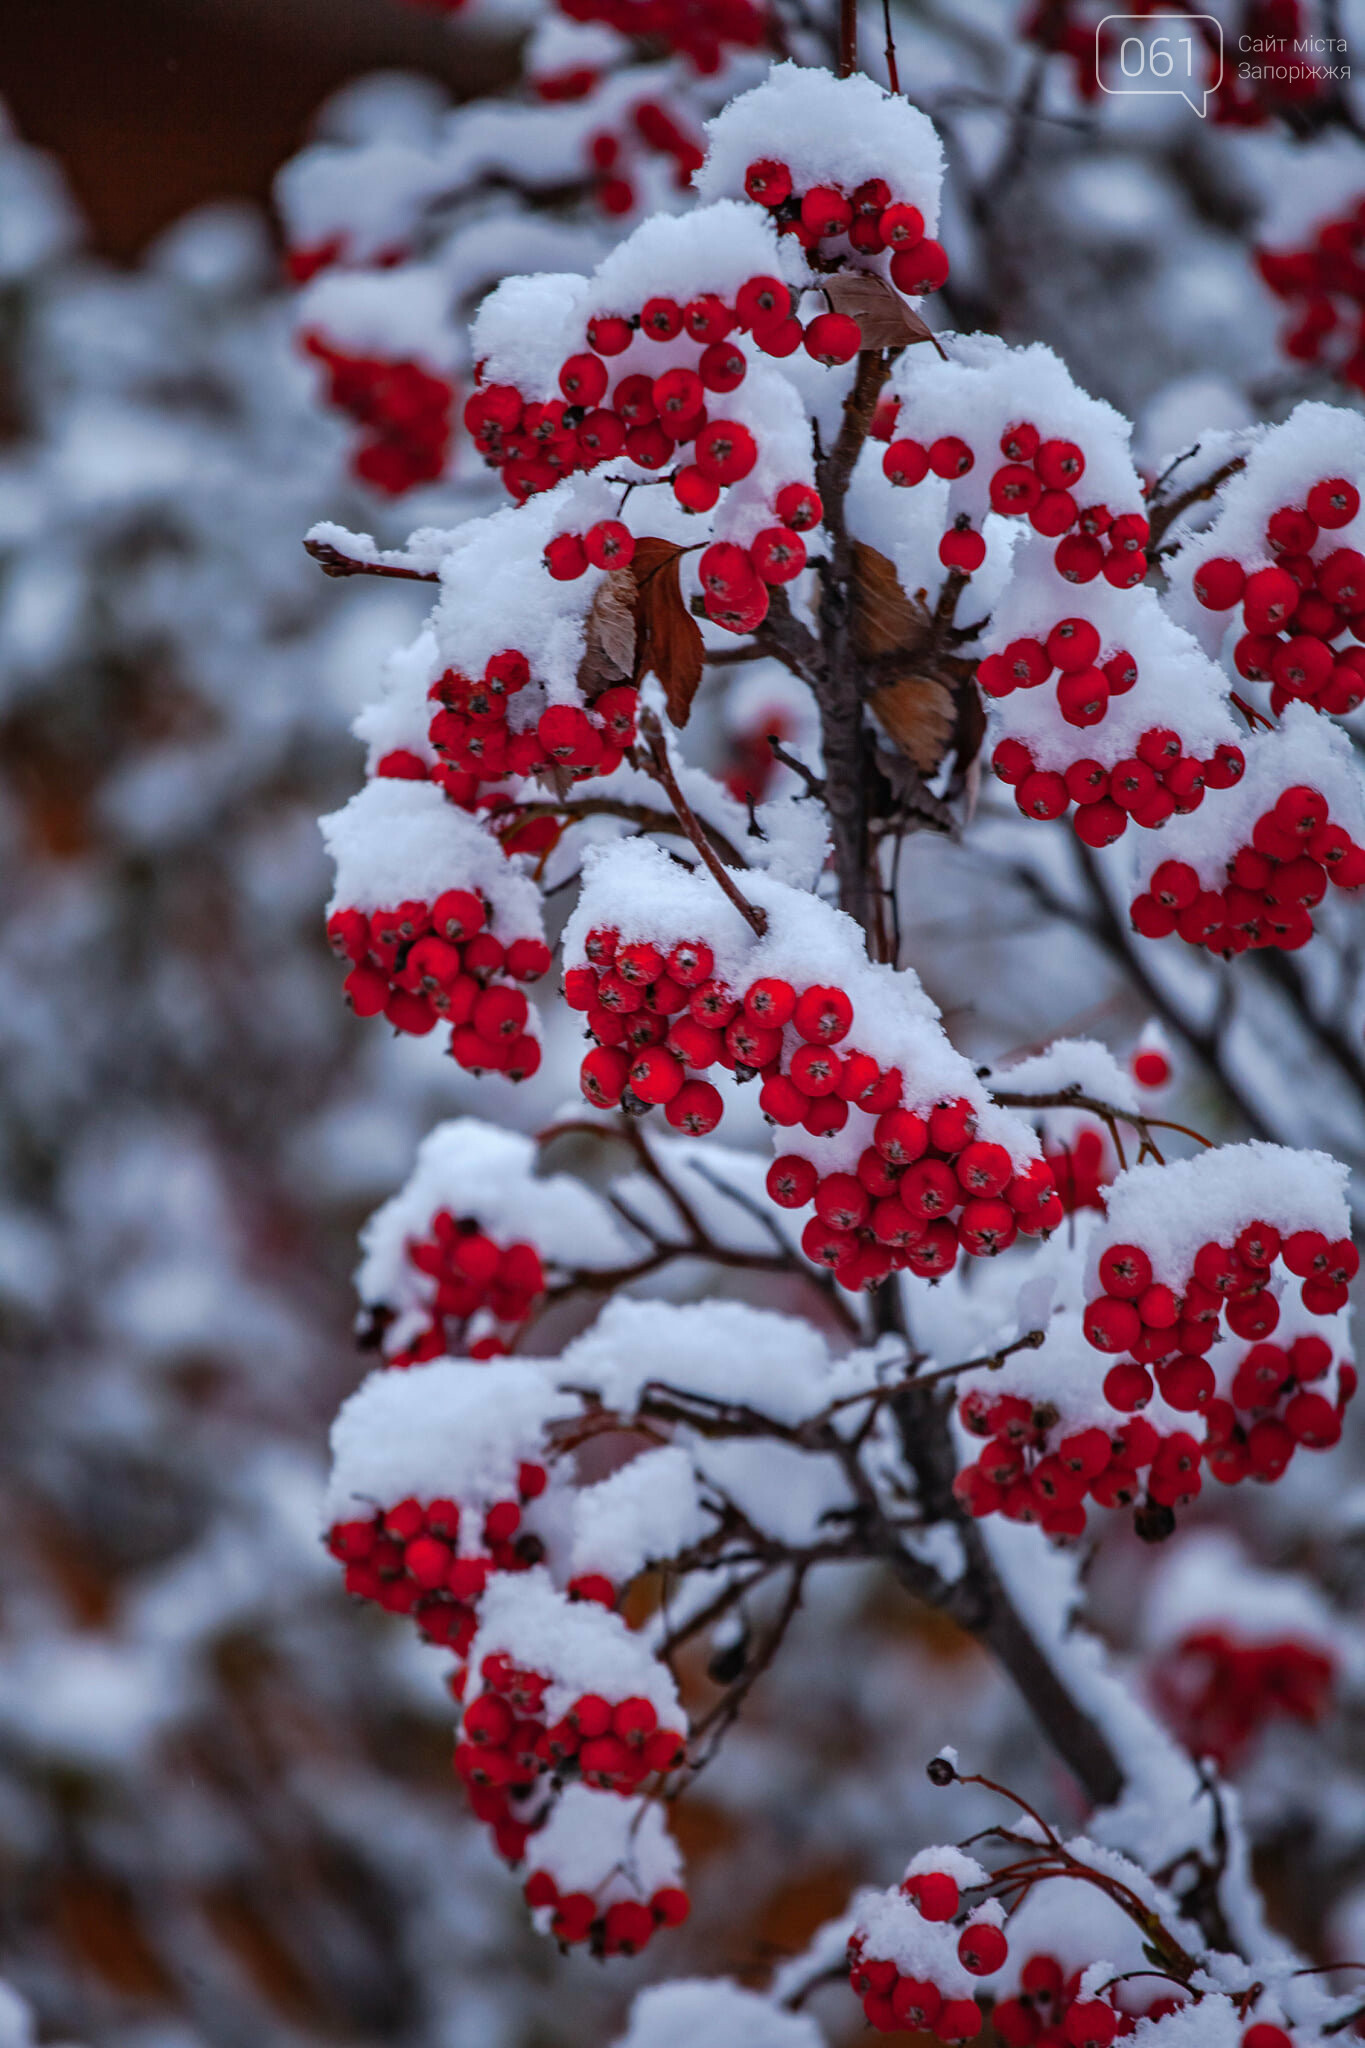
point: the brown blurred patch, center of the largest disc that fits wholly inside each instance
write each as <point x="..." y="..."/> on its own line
<point x="155" y="106"/>
<point x="96" y="1920"/>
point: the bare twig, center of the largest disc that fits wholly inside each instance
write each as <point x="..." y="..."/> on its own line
<point x="662" y="768"/>
<point x="332" y="562"/>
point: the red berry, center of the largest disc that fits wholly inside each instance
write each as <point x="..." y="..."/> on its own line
<point x="1090" y="2023"/>
<point x="962" y="549"/>
<point x="906" y="462"/>
<point x="768" y="181"/>
<point x="798" y="506"/>
<point x="934" y="1892"/>
<point x="923" y="268"/>
<point x="982" y="1949"/>
<point x="822" y="1016"/>
<point x="950" y="457"/>
<point x="1112" y="1325"/>
<point x="1060" y="464"/>
<point x="833" y="338"/>
<point x="566" y="557"/>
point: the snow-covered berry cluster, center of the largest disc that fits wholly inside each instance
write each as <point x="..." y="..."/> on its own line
<point x="1196" y="1384"/>
<point x="1295" y="608"/>
<point x="891" y="1135"/>
<point x="869" y="219"/>
<point x="1250" y="872"/>
<point x="404" y="409"/>
<point x="650" y="381"/>
<point x="437" y="927"/>
<point x="1064" y="470"/>
<point x="1275" y="582"/>
<point x="463" y="1514"/>
<point x="459" y="1259"/>
<point x="446" y="1464"/>
<point x="1167" y="1284"/>
<point x="922" y="1958"/>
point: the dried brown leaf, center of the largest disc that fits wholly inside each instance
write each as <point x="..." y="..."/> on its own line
<point x="886" y="320"/>
<point x="884" y="619"/>
<point x="918" y="713"/>
<point x="609" y="645"/>
<point x="668" y="640"/>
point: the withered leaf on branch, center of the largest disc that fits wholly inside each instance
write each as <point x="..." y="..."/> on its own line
<point x="668" y="640"/>
<point x="884" y="619"/>
<point x="919" y="715"/>
<point x="609" y="647"/>
<point x="886" y="320"/>
<point x="917" y="711"/>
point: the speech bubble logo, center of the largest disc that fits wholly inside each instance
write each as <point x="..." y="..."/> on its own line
<point x="1132" y="59"/>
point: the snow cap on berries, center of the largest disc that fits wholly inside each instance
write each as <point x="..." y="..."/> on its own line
<point x="447" y="1430"/>
<point x="829" y="131"/>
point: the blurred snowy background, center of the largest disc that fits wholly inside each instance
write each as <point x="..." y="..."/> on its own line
<point x="226" y="1808"/>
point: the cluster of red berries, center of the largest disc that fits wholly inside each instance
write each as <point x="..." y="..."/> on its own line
<point x="654" y="1016"/>
<point x="405" y="412"/>
<point x="923" y="1189"/>
<point x="470" y="1273"/>
<point x="1273" y="1411"/>
<point x="867" y="218"/>
<point x="1294" y="609"/>
<point x="621" y="1929"/>
<point x="1217" y="1692"/>
<point x="1324" y="284"/>
<point x="1231" y="1283"/>
<point x="420" y="965"/>
<point x="1037" y="481"/>
<point x="506" y="1743"/>
<point x="470" y="730"/>
<point x="1016" y="1475"/>
<point x="535" y="444"/>
<point x="700" y="30"/>
<point x="407" y="1559"/>
<point x="1157" y="781"/>
<point x="650" y="125"/>
<point x="1047" y="2009"/>
<point x="1273" y="883"/>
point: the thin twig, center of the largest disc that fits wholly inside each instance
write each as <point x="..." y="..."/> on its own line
<point x="332" y="562"/>
<point x="652" y="734"/>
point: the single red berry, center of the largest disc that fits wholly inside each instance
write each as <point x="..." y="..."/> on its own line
<point x="833" y="338"/>
<point x="768" y="181"/>
<point x="566" y="557"/>
<point x="982" y="1948"/>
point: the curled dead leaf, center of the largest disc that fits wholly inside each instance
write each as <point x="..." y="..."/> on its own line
<point x="668" y="640"/>
<point x="919" y="714"/>
<point x="881" y="312"/>
<point x="609" y="644"/>
<point x="884" y="620"/>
